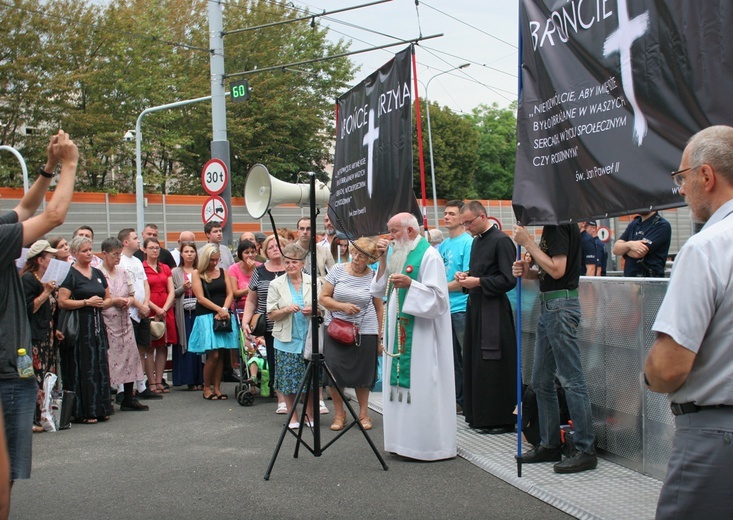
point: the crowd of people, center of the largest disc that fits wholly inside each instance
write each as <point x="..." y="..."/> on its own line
<point x="407" y="297"/>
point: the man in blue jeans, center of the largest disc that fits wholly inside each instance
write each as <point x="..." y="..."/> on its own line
<point x="556" y="350"/>
<point x="18" y="227"/>
<point x="456" y="253"/>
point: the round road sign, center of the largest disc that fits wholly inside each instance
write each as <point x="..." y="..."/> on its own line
<point x="604" y="234"/>
<point x="214" y="176"/>
<point x="214" y="210"/>
<point x="494" y="222"/>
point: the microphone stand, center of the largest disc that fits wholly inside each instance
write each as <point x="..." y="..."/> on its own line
<point x="311" y="382"/>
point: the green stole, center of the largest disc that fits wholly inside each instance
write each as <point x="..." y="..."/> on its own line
<point x="400" y="374"/>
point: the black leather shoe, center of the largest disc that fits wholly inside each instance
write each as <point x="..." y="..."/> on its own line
<point x="498" y="430"/>
<point x="148" y="394"/>
<point x="577" y="462"/>
<point x="134" y="406"/>
<point x="540" y="454"/>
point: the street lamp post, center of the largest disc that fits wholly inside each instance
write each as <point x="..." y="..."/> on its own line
<point x="139" y="192"/>
<point x="23" y="167"/>
<point x="430" y="138"/>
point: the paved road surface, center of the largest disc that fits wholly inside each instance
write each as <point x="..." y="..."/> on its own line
<point x="188" y="458"/>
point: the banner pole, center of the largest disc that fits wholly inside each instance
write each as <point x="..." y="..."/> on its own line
<point x="520" y="394"/>
<point x="419" y="144"/>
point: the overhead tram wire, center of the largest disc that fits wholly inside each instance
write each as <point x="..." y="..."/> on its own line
<point x="308" y="15"/>
<point x="511" y="75"/>
<point x="98" y="28"/>
<point x="324" y="58"/>
<point x="462" y="59"/>
<point x="469" y="25"/>
<point x="495" y="90"/>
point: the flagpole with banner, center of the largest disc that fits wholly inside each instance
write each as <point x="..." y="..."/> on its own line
<point x="372" y="173"/>
<point x="421" y="159"/>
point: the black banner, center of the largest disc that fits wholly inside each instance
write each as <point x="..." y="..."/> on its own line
<point x="610" y="92"/>
<point x="372" y="172"/>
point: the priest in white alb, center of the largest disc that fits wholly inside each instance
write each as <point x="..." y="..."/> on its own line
<point x="417" y="382"/>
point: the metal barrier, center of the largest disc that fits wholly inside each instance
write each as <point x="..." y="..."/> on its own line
<point x="633" y="426"/>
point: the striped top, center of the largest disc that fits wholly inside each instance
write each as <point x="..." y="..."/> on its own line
<point x="348" y="288"/>
<point x="260" y="282"/>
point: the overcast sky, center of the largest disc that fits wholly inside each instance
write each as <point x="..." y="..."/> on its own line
<point x="482" y="32"/>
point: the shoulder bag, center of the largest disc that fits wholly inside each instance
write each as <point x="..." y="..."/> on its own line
<point x="258" y="324"/>
<point x="342" y="331"/>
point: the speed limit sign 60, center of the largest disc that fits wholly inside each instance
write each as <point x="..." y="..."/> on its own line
<point x="214" y="176"/>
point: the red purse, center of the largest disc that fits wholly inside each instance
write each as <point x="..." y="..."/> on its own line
<point x="343" y="331"/>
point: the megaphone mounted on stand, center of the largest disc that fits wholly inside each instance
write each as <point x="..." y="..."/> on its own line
<point x="262" y="191"/>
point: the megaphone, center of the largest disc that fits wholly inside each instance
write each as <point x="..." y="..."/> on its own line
<point x="263" y="191"/>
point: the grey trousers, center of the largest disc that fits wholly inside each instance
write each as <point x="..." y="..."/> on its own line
<point x="700" y="472"/>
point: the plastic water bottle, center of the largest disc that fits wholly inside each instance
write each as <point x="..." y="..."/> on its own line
<point x="25" y="365"/>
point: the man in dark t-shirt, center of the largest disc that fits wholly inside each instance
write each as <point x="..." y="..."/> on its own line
<point x="591" y="259"/>
<point x="556" y="349"/>
<point x="19" y="227"/>
<point x="645" y="245"/>
<point x="166" y="257"/>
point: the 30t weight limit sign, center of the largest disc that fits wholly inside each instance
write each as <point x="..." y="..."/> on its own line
<point x="214" y="176"/>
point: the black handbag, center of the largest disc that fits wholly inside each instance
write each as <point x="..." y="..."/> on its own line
<point x="219" y="325"/>
<point x="223" y="325"/>
<point x="69" y="327"/>
<point x="258" y="325"/>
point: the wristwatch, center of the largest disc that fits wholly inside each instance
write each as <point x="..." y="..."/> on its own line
<point x="44" y="173"/>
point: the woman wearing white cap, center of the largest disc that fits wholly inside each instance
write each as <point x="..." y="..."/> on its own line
<point x="41" y="304"/>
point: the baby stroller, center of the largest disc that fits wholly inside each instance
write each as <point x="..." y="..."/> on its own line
<point x="254" y="376"/>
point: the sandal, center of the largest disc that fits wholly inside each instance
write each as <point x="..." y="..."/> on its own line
<point x="282" y="408"/>
<point x="164" y="388"/>
<point x="37" y="428"/>
<point x="221" y="397"/>
<point x="322" y="408"/>
<point x="338" y="424"/>
<point x="155" y="388"/>
<point x="88" y="421"/>
<point x="366" y="423"/>
<point x="211" y="397"/>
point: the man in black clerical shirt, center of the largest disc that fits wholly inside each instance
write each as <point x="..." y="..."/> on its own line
<point x="489" y="346"/>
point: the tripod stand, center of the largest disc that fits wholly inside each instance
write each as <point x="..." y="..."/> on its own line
<point x="311" y="380"/>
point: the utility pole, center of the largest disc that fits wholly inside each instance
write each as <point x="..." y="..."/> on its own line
<point x="220" y="143"/>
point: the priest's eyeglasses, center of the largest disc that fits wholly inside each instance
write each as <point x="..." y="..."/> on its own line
<point x="680" y="179"/>
<point x="467" y="223"/>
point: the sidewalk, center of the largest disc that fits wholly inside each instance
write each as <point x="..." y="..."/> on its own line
<point x="609" y="492"/>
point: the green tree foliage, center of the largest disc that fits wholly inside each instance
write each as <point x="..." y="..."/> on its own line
<point x="455" y="153"/>
<point x="497" y="128"/>
<point x="93" y="69"/>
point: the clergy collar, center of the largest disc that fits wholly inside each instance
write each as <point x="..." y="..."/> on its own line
<point x="485" y="231"/>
